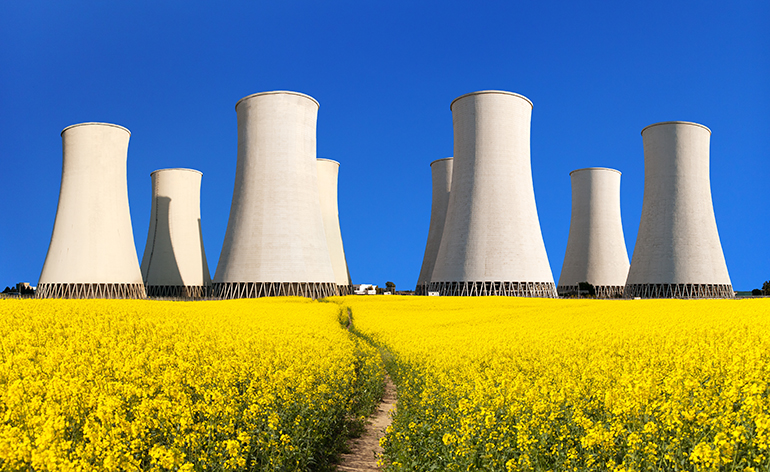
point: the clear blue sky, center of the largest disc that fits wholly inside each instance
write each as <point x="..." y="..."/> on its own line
<point x="385" y="74"/>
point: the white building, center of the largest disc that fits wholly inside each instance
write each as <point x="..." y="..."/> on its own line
<point x="364" y="289"/>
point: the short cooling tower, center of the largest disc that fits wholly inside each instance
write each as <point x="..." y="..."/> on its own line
<point x="441" y="172"/>
<point x="174" y="262"/>
<point x="492" y="243"/>
<point x="677" y="253"/>
<point x="92" y="252"/>
<point x="596" y="249"/>
<point x="275" y="243"/>
<point x="328" y="172"/>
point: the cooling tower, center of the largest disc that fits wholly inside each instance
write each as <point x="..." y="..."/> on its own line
<point x="492" y="243"/>
<point x="328" y="171"/>
<point x="92" y="252"/>
<point x="596" y="249"/>
<point x="677" y="252"/>
<point x="441" y="173"/>
<point x="275" y="242"/>
<point x="174" y="262"/>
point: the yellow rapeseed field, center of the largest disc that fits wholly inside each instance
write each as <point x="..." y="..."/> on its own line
<point x="567" y="385"/>
<point x="146" y="385"/>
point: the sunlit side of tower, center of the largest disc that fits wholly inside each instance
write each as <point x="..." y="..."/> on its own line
<point x="328" y="172"/>
<point x="174" y="262"/>
<point x="441" y="173"/>
<point x="92" y="252"/>
<point x="678" y="253"/>
<point x="275" y="243"/>
<point x="596" y="249"/>
<point x="492" y="244"/>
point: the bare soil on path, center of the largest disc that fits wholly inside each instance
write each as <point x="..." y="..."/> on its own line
<point x="365" y="449"/>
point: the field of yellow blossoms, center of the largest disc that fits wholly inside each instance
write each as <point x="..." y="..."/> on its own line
<point x="147" y="385"/>
<point x="567" y="385"/>
<point x="486" y="383"/>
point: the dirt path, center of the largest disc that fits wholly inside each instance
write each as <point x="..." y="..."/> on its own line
<point x="365" y="449"/>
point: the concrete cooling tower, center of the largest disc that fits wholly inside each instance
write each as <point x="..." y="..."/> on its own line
<point x="596" y="249"/>
<point x="92" y="252"/>
<point x="677" y="253"/>
<point x="174" y="262"/>
<point x="492" y="243"/>
<point x="441" y="172"/>
<point x="275" y="242"/>
<point x="328" y="172"/>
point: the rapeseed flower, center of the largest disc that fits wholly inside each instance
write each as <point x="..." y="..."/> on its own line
<point x="148" y="385"/>
<point x="515" y="384"/>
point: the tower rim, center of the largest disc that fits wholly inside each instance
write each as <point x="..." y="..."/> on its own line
<point x="596" y="168"/>
<point x="327" y="159"/>
<point x="277" y="92"/>
<point x="692" y="123"/>
<point x="483" y="92"/>
<point x="176" y="168"/>
<point x="442" y="159"/>
<point x="95" y="123"/>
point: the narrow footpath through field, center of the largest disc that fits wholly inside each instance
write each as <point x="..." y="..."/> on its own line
<point x="365" y="449"/>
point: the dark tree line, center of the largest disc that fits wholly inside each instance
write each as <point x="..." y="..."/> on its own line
<point x="23" y="290"/>
<point x="765" y="290"/>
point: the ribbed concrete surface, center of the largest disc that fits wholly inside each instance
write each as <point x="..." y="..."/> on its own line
<point x="596" y="249"/>
<point x="492" y="232"/>
<point x="92" y="240"/>
<point x="441" y="175"/>
<point x="174" y="254"/>
<point x="275" y="233"/>
<point x="678" y="242"/>
<point x="328" y="172"/>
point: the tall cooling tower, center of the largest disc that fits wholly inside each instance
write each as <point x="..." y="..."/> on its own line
<point x="492" y="243"/>
<point x="596" y="249"/>
<point x="174" y="262"/>
<point x="328" y="172"/>
<point x="92" y="252"/>
<point x="441" y="173"/>
<point x="677" y="253"/>
<point x="275" y="243"/>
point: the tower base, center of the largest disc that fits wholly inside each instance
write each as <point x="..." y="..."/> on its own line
<point x="679" y="291"/>
<point x="602" y="291"/>
<point x="178" y="291"/>
<point x="345" y="290"/>
<point x="501" y="289"/>
<point x="76" y="290"/>
<point x="314" y="290"/>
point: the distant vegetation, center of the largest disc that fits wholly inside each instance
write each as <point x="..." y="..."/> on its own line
<point x="765" y="290"/>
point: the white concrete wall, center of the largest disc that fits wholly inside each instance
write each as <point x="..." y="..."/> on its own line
<point x="441" y="173"/>
<point x="678" y="242"/>
<point x="328" y="172"/>
<point x="596" y="249"/>
<point x="174" y="253"/>
<point x="92" y="240"/>
<point x="492" y="231"/>
<point x="275" y="232"/>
